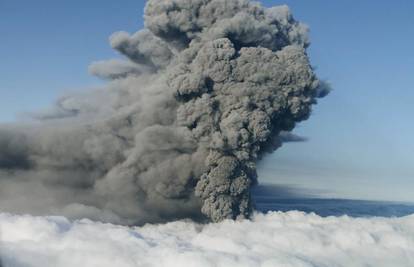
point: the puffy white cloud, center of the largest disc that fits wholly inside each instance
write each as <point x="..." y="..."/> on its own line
<point x="276" y="239"/>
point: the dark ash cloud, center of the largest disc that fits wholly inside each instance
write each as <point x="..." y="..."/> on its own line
<point x="206" y="90"/>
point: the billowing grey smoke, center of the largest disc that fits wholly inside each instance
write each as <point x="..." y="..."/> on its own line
<point x="207" y="88"/>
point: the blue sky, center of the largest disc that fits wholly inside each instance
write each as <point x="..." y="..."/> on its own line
<point x="360" y="137"/>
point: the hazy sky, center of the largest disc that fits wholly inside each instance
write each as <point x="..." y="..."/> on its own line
<point x="360" y="137"/>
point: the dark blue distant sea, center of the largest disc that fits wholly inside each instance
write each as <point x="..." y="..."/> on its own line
<point x="268" y="199"/>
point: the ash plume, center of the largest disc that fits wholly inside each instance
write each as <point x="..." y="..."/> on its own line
<point x="205" y="90"/>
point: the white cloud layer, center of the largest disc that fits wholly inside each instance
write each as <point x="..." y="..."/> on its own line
<point x="276" y="239"/>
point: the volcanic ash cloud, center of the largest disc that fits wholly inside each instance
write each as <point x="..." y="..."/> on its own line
<point x="204" y="91"/>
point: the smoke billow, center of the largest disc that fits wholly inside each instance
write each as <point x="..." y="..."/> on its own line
<point x="206" y="89"/>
